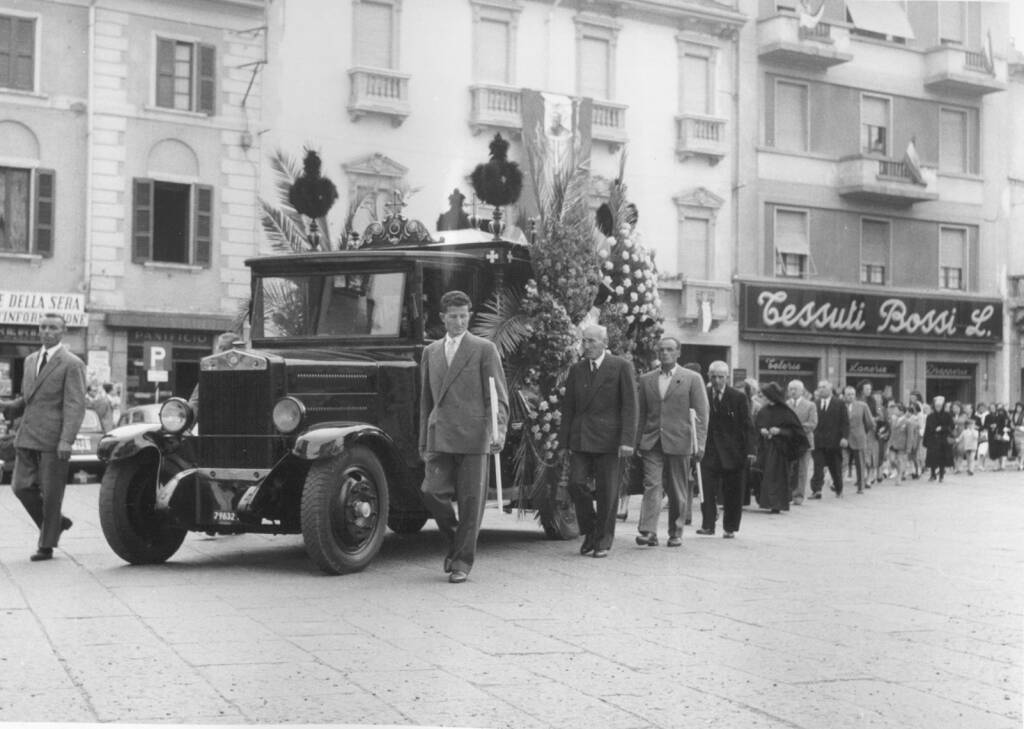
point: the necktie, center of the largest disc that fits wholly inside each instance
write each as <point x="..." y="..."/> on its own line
<point x="449" y="350"/>
<point x="824" y="404"/>
<point x="593" y="366"/>
<point x="42" y="361"/>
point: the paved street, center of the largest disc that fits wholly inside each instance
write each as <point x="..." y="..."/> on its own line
<point x="899" y="608"/>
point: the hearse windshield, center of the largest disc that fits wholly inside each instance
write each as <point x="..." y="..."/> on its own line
<point x="336" y="305"/>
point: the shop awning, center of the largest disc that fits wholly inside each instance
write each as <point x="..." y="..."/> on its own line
<point x="147" y="320"/>
<point x="880" y="16"/>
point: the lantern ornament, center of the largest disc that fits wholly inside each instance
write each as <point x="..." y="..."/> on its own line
<point x="497" y="182"/>
<point x="312" y="195"/>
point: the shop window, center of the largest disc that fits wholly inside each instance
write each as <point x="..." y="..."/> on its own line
<point x="875" y="244"/>
<point x="186" y="76"/>
<point x="790" y="129"/>
<point x="595" y="57"/>
<point x="376" y="34"/>
<point x="17" y="53"/>
<point x="697" y="79"/>
<point x="952" y="250"/>
<point x="172" y="223"/>
<point x="874" y="125"/>
<point x="792" y="243"/>
<point x="26" y="211"/>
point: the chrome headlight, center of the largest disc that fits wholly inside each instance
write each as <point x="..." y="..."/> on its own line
<point x="288" y="414"/>
<point x="176" y="416"/>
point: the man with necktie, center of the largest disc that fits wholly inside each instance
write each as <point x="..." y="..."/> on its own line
<point x="729" y="451"/>
<point x="456" y="436"/>
<point x="598" y="428"/>
<point x="830" y="436"/>
<point x="51" y="407"/>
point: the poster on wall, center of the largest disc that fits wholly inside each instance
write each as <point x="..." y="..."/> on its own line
<point x="6" y="383"/>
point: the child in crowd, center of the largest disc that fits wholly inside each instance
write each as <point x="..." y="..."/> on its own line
<point x="900" y="425"/>
<point x="967" y="443"/>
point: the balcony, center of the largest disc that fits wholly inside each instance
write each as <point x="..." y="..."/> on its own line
<point x="495" y="108"/>
<point x="884" y="182"/>
<point x="378" y="91"/>
<point x="956" y="71"/>
<point x="698" y="135"/>
<point x="781" y="40"/>
<point x="609" y="124"/>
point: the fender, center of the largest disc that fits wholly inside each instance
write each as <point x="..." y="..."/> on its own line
<point x="127" y="441"/>
<point x="332" y="440"/>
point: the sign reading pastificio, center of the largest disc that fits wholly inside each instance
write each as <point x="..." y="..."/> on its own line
<point x="28" y="307"/>
<point x="834" y="312"/>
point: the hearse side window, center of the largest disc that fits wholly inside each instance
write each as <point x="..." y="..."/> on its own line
<point x="437" y="281"/>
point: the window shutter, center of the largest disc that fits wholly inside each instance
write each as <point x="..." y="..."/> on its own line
<point x="492" y="50"/>
<point x="951" y="247"/>
<point x="23" y="66"/>
<point x="693" y="259"/>
<point x="165" y="73"/>
<point x="373" y="34"/>
<point x="45" y="194"/>
<point x="790" y="131"/>
<point x="791" y="232"/>
<point x="874" y="243"/>
<point x="695" y="84"/>
<point x="203" y="225"/>
<point x="142" y="220"/>
<point x="952" y="141"/>
<point x="594" y="67"/>
<point x="207" y="80"/>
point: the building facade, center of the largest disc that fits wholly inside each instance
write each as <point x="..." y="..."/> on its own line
<point x="129" y="162"/>
<point x="871" y="246"/>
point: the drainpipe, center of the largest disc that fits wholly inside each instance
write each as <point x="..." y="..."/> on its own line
<point x="736" y="185"/>
<point x="89" y="121"/>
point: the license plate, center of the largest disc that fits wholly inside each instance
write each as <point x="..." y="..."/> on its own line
<point x="81" y="444"/>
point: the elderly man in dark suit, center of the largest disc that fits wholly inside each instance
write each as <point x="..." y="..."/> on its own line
<point x="456" y="435"/>
<point x="598" y="428"/>
<point x="51" y="407"/>
<point x="829" y="439"/>
<point x="667" y="442"/>
<point x="729" y="451"/>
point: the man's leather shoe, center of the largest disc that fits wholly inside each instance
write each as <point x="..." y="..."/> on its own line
<point x="458" y="576"/>
<point x="647" y="539"/>
<point x="447" y="565"/>
<point x="706" y="531"/>
<point x="729" y="535"/>
<point x="687" y="522"/>
<point x="674" y="542"/>
<point x="816" y="495"/>
<point x="587" y="547"/>
<point x="42" y="554"/>
<point x="599" y="553"/>
<point x="65" y="523"/>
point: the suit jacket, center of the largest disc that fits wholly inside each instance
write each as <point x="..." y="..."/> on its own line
<point x="668" y="419"/>
<point x="861" y="423"/>
<point x="833" y="423"/>
<point x="808" y="414"/>
<point x="731" y="435"/>
<point x="455" y="400"/>
<point x="51" y="404"/>
<point x="599" y="410"/>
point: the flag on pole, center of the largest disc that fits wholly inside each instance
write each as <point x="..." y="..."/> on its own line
<point x="913" y="163"/>
<point x="704" y="315"/>
<point x="809" y="18"/>
<point x="990" y="61"/>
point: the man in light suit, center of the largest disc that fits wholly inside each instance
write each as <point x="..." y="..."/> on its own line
<point x="456" y="436"/>
<point x="666" y="442"/>
<point x="861" y="424"/>
<point x="51" y="407"/>
<point x="598" y="429"/>
<point x="808" y="415"/>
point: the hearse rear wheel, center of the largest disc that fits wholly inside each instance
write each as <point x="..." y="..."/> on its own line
<point x="345" y="511"/>
<point x="130" y="522"/>
<point x="406" y="523"/>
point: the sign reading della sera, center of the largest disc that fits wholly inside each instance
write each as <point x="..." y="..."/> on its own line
<point x="28" y="307"/>
<point x="833" y="312"/>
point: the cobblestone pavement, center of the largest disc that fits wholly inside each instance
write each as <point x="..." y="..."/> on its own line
<point x="898" y="608"/>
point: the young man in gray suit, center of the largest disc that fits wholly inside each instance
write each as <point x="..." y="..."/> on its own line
<point x="51" y="407"/>
<point x="456" y="437"/>
<point x="667" y="442"/>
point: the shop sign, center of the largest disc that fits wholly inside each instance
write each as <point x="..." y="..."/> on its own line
<point x="774" y="309"/>
<point x="872" y="368"/>
<point x="954" y="371"/>
<point x="788" y="365"/>
<point x="170" y="336"/>
<point x="28" y="307"/>
<point x="29" y="335"/>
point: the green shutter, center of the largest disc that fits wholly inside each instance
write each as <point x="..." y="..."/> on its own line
<point x="142" y="220"/>
<point x="203" y="224"/>
<point x="207" y="79"/>
<point x="165" y="73"/>
<point x="45" y="194"/>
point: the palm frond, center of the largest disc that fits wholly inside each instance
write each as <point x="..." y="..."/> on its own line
<point x="501" y="321"/>
<point x="284" y="231"/>
<point x="286" y="169"/>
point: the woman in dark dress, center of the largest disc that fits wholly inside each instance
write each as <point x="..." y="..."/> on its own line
<point x="938" y="439"/>
<point x="783" y="441"/>
<point x="1000" y="436"/>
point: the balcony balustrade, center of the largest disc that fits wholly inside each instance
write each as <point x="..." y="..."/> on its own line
<point x="378" y="91"/>
<point x="951" y="70"/>
<point x="494" y="107"/>
<point x="699" y="135"/>
<point x="609" y="123"/>
<point x="782" y="40"/>
<point x="884" y="182"/>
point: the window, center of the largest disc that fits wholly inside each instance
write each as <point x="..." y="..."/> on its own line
<point x="952" y="257"/>
<point x="874" y="124"/>
<point x="697" y="88"/>
<point x="792" y="243"/>
<point x="791" y="116"/>
<point x="695" y="251"/>
<point x="17" y="53"/>
<point x="492" y="51"/>
<point x="375" y="34"/>
<point x="879" y="20"/>
<point x="952" y="21"/>
<point x="953" y="140"/>
<point x="874" y="251"/>
<point x="596" y="38"/>
<point x="172" y="222"/>
<point x="26" y="211"/>
<point x="186" y="76"/>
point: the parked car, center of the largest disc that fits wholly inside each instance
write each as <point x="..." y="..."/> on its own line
<point x="85" y="463"/>
<point x="315" y="430"/>
<point x="149" y="413"/>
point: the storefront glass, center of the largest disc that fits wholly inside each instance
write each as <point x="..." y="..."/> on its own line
<point x="953" y="380"/>
<point x="782" y="370"/>
<point x="882" y="374"/>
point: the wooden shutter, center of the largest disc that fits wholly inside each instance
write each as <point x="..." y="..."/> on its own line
<point x="595" y="67"/>
<point x="165" y="73"/>
<point x="45" y="194"/>
<point x="142" y="220"/>
<point x="203" y="225"/>
<point x="374" y="31"/>
<point x="23" y="65"/>
<point x="207" y="80"/>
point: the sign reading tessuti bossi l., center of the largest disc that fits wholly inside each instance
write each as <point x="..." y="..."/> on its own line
<point x="768" y="309"/>
<point x="26" y="308"/>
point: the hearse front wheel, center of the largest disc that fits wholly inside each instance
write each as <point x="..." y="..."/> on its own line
<point x="345" y="511"/>
<point x="130" y="522"/>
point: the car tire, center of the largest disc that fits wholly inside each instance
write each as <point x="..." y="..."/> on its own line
<point x="345" y="511"/>
<point x="406" y="523"/>
<point x="130" y="522"/>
